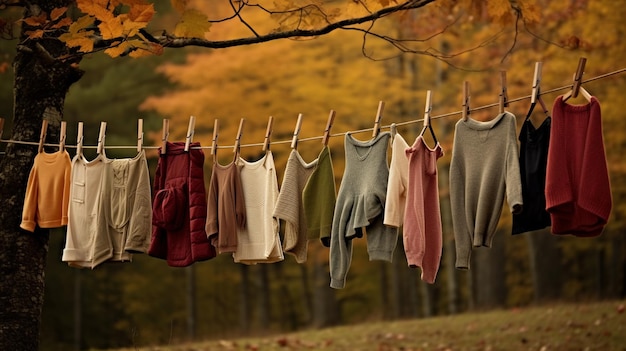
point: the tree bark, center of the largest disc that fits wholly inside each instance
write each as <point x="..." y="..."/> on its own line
<point x="40" y="85"/>
<point x="545" y="264"/>
<point x="490" y="276"/>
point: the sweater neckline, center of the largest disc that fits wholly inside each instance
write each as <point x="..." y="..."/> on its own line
<point x="478" y="125"/>
<point x="51" y="157"/>
<point x="302" y="162"/>
<point x="576" y="108"/>
<point x="365" y="143"/>
<point x="254" y="164"/>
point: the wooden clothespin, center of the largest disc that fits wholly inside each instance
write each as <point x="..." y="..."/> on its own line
<point x="296" y="132"/>
<point x="466" y="100"/>
<point x="216" y="128"/>
<point x="79" y="139"/>
<point x="42" y="135"/>
<point x="379" y="116"/>
<point x="268" y="133"/>
<point x="166" y="134"/>
<point x="428" y="108"/>
<point x="329" y="125"/>
<point x="504" y="97"/>
<point x="238" y="139"/>
<point x="62" y="135"/>
<point x="1" y="126"/>
<point x="576" y="86"/>
<point x="536" y="92"/>
<point x="101" y="136"/>
<point x="189" y="137"/>
<point x="139" y="135"/>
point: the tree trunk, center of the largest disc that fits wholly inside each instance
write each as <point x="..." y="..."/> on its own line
<point x="490" y="276"/>
<point x="40" y="85"/>
<point x="325" y="307"/>
<point x="545" y="265"/>
<point x="263" y="290"/>
<point x="244" y="304"/>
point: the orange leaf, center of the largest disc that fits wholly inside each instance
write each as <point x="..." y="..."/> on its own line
<point x="131" y="28"/>
<point x="116" y="51"/>
<point x="34" y="34"/>
<point x="193" y="24"/>
<point x="80" y="24"/>
<point x="97" y="8"/>
<point x="36" y="21"/>
<point x="66" y="21"/>
<point x="111" y="28"/>
<point x="141" y="13"/>
<point x="57" y="13"/>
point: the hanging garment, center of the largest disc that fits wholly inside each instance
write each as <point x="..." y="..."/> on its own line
<point x="319" y="197"/>
<point x="127" y="205"/>
<point x="226" y="210"/>
<point x="47" y="191"/>
<point x="578" y="190"/>
<point x="484" y="167"/>
<point x="179" y="208"/>
<point x="86" y="245"/>
<point x="259" y="242"/>
<point x="289" y="205"/>
<point x="360" y="205"/>
<point x="533" y="158"/>
<point x="422" y="233"/>
<point x="395" y="202"/>
<point x="110" y="210"/>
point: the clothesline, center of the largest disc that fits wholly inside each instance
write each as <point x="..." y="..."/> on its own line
<point x="445" y="115"/>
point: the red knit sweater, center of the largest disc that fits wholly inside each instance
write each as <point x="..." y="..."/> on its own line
<point x="578" y="191"/>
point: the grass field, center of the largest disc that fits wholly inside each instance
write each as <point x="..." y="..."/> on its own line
<point x="588" y="326"/>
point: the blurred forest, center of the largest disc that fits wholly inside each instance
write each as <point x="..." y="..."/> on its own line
<point x="147" y="302"/>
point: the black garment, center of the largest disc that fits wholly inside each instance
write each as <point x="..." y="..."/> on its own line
<point x="533" y="160"/>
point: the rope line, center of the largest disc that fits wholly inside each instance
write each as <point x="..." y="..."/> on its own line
<point x="445" y="115"/>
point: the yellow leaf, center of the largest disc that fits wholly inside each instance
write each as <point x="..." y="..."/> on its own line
<point x="141" y="13"/>
<point x="78" y="39"/>
<point x="117" y="50"/>
<point x="111" y="29"/>
<point x="131" y="28"/>
<point x="180" y="5"/>
<point x="97" y="8"/>
<point x="193" y="24"/>
<point x="81" y="23"/>
<point x="57" y="13"/>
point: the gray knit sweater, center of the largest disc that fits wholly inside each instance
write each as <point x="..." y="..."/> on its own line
<point x="360" y="204"/>
<point x="484" y="167"/>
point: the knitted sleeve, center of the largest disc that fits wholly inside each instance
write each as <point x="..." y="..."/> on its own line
<point x="513" y="175"/>
<point x="138" y="239"/>
<point x="288" y="205"/>
<point x="558" y="181"/>
<point x="29" y="212"/>
<point x="212" y="208"/>
<point x="396" y="189"/>
<point x="240" y="201"/>
<point x="67" y="176"/>
<point x="462" y="235"/>
<point x="595" y="189"/>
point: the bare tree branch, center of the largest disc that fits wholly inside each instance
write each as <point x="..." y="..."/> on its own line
<point x="175" y="42"/>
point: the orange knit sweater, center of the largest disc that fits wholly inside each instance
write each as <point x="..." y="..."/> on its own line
<point x="47" y="192"/>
